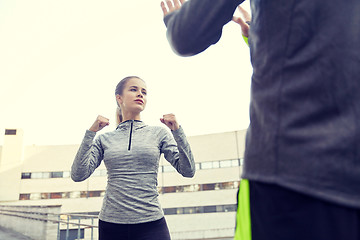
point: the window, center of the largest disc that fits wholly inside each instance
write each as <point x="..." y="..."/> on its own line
<point x="189" y="210"/>
<point x="199" y="187"/>
<point x="65" y="195"/>
<point x="200" y="209"/>
<point x="227" y="185"/>
<point x="235" y="163"/>
<point x="95" y="193"/>
<point x="216" y="164"/>
<point x="72" y="234"/>
<point x="179" y="188"/>
<point x="66" y="174"/>
<point x="56" y="195"/>
<point x="24" y="196"/>
<point x="46" y="175"/>
<point x="10" y="131"/>
<point x="209" y="209"/>
<point x="45" y="195"/>
<point x="192" y="188"/>
<point x="35" y="196"/>
<point x="25" y="175"/>
<point x="207" y="187"/>
<point x="197" y="166"/>
<point x="230" y="208"/>
<point x="170" y="211"/>
<point x="75" y="195"/>
<point x="169" y="189"/>
<point x="206" y="165"/>
<point x="226" y="163"/>
<point x="180" y="211"/>
<point x="83" y="194"/>
<point x="220" y="208"/>
<point x="37" y="175"/>
<point x="56" y="174"/>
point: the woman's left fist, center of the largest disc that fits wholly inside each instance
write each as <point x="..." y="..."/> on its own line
<point x="170" y="121"/>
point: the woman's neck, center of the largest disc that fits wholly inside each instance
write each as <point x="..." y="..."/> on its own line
<point x="131" y="116"/>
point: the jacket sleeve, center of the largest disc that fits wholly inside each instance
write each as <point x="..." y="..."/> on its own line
<point x="177" y="152"/>
<point x="88" y="157"/>
<point x="198" y="24"/>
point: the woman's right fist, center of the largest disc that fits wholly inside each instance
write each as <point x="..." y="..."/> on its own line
<point x="99" y="124"/>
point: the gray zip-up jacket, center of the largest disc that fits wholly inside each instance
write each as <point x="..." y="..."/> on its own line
<point x="131" y="155"/>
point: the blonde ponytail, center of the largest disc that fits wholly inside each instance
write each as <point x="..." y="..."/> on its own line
<point x="119" y="117"/>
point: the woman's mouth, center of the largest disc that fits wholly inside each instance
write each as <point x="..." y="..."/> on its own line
<point x="139" y="101"/>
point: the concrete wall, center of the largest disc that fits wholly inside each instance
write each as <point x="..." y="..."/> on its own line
<point x="24" y="219"/>
<point x="12" y="152"/>
<point x="10" y="166"/>
<point x="202" y="226"/>
<point x="10" y="183"/>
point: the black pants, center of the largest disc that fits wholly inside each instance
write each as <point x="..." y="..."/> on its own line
<point x="156" y="230"/>
<point x="281" y="214"/>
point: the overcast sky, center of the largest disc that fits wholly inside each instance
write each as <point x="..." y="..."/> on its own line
<point x="61" y="60"/>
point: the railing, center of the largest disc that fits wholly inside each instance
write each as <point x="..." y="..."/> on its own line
<point x="47" y="223"/>
<point x="38" y="222"/>
<point x="78" y="217"/>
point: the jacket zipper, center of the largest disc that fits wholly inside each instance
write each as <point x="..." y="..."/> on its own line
<point x="131" y="129"/>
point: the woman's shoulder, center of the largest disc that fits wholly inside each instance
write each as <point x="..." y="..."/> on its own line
<point x="106" y="135"/>
<point x="159" y="131"/>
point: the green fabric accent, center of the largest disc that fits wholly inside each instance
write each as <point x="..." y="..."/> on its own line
<point x="246" y="39"/>
<point x="243" y="219"/>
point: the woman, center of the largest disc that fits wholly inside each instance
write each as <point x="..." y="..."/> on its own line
<point x="131" y="155"/>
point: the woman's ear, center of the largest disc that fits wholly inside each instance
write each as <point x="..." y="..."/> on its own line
<point x="119" y="100"/>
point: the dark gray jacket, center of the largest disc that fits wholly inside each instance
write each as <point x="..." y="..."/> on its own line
<point x="305" y="93"/>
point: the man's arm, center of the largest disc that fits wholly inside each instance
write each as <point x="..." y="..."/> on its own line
<point x="197" y="24"/>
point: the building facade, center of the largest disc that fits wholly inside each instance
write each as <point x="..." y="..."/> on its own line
<point x="202" y="207"/>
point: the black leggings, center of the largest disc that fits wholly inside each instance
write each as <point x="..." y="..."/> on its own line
<point x="156" y="230"/>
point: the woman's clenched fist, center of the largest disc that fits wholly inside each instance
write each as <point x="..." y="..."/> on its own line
<point x="99" y="124"/>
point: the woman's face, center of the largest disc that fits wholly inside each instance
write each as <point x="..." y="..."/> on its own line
<point x="133" y="97"/>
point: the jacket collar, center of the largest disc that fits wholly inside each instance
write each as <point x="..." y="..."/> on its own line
<point x="126" y="124"/>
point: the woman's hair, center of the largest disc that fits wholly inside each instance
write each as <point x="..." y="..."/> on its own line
<point x="119" y="91"/>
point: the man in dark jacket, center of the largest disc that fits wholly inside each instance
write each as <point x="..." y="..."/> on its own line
<point x="302" y="157"/>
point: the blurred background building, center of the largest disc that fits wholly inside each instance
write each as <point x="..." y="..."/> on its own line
<point x="203" y="207"/>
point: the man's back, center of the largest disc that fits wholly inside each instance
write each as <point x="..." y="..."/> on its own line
<point x="302" y="158"/>
<point x="305" y="130"/>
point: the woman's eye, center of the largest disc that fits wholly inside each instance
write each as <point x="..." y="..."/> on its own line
<point x="144" y="93"/>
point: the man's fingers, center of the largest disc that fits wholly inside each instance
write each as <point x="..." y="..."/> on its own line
<point x="239" y="21"/>
<point x="177" y="4"/>
<point x="170" y="5"/>
<point x="245" y="14"/>
<point x="164" y="9"/>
